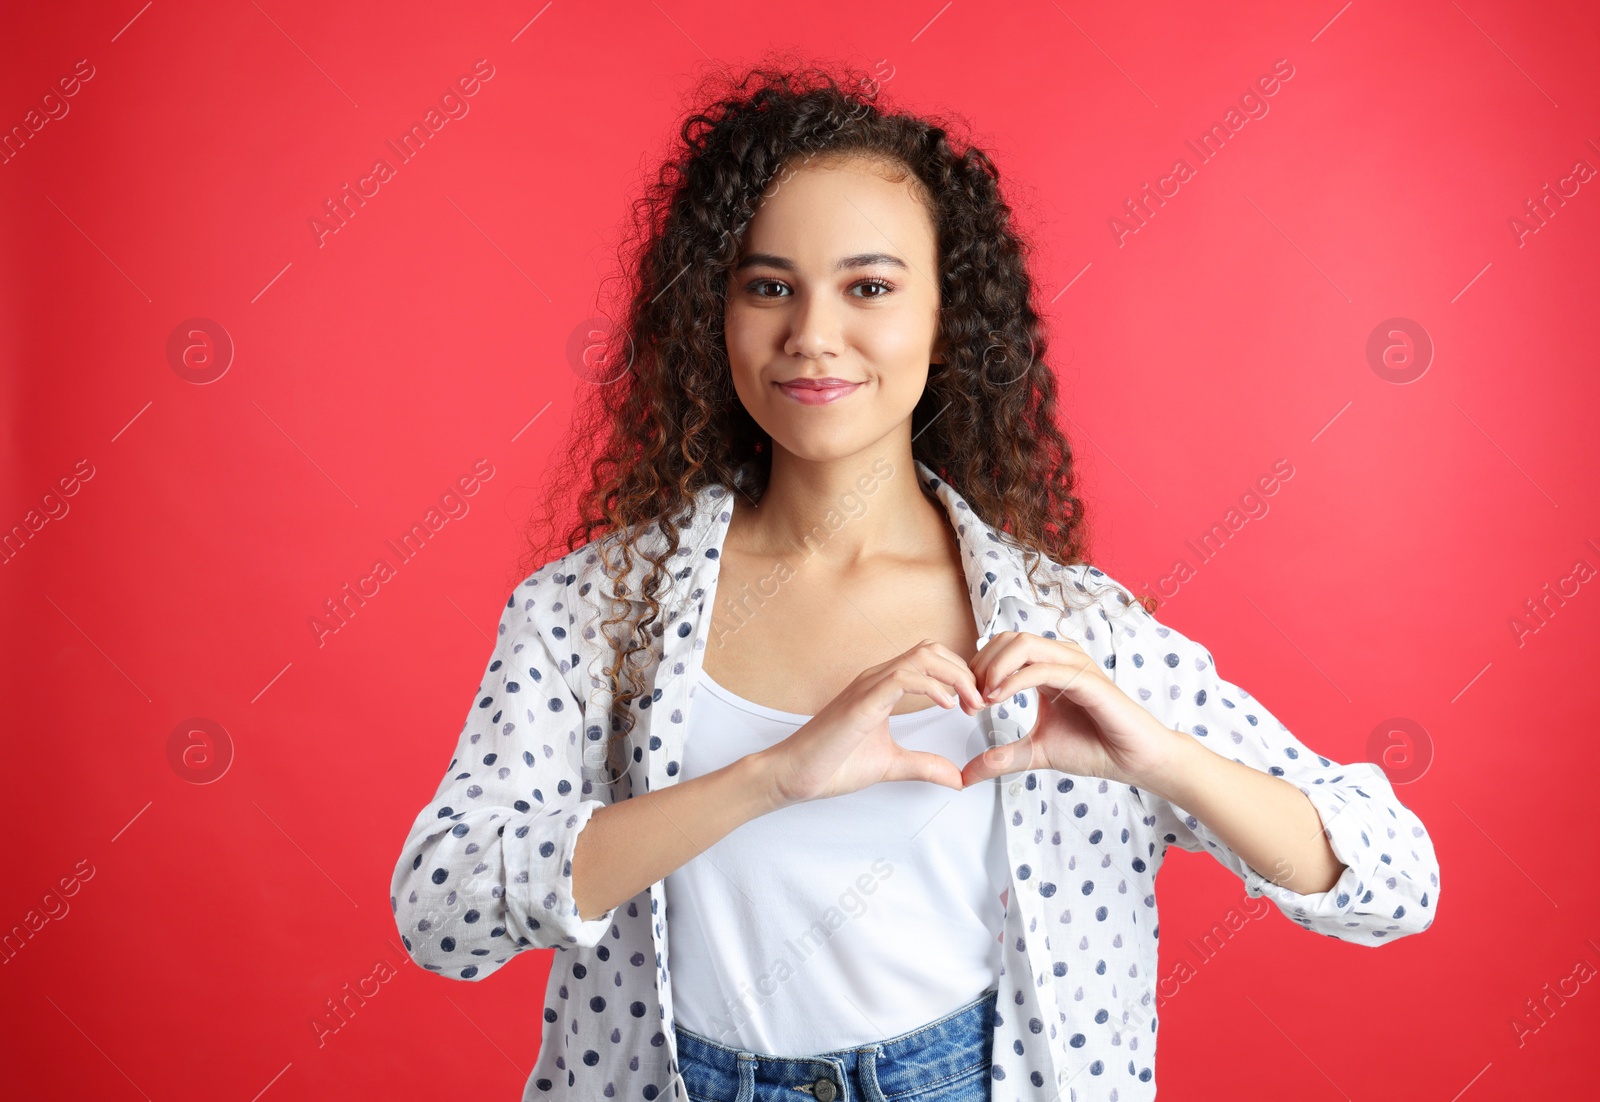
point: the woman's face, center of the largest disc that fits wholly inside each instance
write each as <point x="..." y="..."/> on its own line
<point x="837" y="280"/>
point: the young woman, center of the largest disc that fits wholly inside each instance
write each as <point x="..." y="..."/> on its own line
<point x="835" y="701"/>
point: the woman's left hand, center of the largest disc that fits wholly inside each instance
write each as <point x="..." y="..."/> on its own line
<point x="1086" y="726"/>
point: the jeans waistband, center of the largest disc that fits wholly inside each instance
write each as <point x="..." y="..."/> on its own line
<point x="944" y="1048"/>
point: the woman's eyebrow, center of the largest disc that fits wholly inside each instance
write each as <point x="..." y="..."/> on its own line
<point x="784" y="264"/>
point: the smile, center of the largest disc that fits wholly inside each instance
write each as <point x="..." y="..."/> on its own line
<point x="812" y="394"/>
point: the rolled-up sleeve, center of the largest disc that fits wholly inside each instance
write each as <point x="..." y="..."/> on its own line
<point x="1390" y="884"/>
<point x="486" y="870"/>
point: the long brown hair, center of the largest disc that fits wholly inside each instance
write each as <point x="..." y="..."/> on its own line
<point x="666" y="422"/>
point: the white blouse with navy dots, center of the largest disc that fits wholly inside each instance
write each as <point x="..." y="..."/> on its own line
<point x="485" y="872"/>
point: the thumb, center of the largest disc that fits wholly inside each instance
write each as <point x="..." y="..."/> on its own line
<point x="1010" y="757"/>
<point x="919" y="765"/>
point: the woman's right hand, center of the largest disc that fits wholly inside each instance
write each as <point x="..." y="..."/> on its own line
<point x="847" y="746"/>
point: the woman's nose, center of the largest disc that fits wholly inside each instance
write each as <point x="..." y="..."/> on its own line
<point x="814" y="329"/>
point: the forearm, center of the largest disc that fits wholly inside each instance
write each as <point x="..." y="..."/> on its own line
<point x="629" y="845"/>
<point x="1266" y="820"/>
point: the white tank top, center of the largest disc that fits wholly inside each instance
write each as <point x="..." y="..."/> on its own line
<point x="843" y="921"/>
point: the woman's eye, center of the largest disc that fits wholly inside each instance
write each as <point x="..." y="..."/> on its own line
<point x="764" y="288"/>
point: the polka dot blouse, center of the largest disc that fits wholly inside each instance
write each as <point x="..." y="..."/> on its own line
<point x="486" y="871"/>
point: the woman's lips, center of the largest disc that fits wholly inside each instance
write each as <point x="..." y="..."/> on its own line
<point x="818" y="392"/>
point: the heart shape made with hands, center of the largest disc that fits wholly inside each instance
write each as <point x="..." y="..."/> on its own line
<point x="1087" y="725"/>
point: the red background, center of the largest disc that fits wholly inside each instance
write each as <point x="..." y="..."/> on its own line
<point x="372" y="370"/>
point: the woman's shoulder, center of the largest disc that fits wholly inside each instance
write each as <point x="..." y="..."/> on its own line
<point x="582" y="567"/>
<point x="1081" y="587"/>
<point x="611" y="566"/>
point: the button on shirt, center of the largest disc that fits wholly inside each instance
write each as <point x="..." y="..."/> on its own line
<point x="486" y="871"/>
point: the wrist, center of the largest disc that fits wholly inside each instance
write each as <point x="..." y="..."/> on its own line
<point x="761" y="777"/>
<point x="1174" y="774"/>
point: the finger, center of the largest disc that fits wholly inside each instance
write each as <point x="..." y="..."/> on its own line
<point x="999" y="657"/>
<point x="919" y="765"/>
<point x="1001" y="675"/>
<point x="945" y="664"/>
<point x="936" y="689"/>
<point x="1063" y="678"/>
<point x="900" y="680"/>
<point x="996" y="761"/>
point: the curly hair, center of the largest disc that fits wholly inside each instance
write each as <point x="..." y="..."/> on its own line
<point x="668" y="422"/>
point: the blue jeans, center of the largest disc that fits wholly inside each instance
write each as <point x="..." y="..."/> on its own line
<point x="946" y="1060"/>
